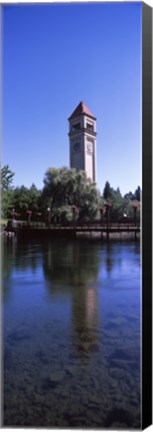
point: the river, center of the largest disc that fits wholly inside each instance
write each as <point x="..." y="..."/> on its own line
<point x="71" y="334"/>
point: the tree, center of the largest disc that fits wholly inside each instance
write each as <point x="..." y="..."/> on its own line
<point x="34" y="198"/>
<point x="137" y="194"/>
<point x="107" y="192"/>
<point x="26" y="199"/>
<point x="129" y="196"/>
<point x="116" y="199"/>
<point x="21" y="199"/>
<point x="116" y="210"/>
<point x="7" y="202"/>
<point x="65" y="187"/>
<point x="6" y="179"/>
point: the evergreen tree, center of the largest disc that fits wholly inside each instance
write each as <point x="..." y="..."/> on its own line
<point x="107" y="192"/>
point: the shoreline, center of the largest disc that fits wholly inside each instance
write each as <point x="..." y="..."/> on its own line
<point x="43" y="234"/>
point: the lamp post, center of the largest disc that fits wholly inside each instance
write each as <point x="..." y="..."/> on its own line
<point x="49" y="216"/>
<point x="107" y="206"/>
<point x="102" y="212"/>
<point x="135" y="207"/>
<point x="14" y="222"/>
<point x="74" y="211"/>
<point x="101" y="215"/>
<point x="13" y="213"/>
<point x="29" y="213"/>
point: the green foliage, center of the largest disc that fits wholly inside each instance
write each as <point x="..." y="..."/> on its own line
<point x="117" y="204"/>
<point x="137" y="194"/>
<point x="21" y="199"/>
<point x="6" y="179"/>
<point x="26" y="199"/>
<point x="7" y="202"/>
<point x="107" y="192"/>
<point x="129" y="196"/>
<point x="121" y="206"/>
<point x="34" y="198"/>
<point x="65" y="187"/>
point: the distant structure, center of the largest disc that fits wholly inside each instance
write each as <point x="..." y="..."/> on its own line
<point x="82" y="135"/>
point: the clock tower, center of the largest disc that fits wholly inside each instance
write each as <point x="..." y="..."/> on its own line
<point x="82" y="135"/>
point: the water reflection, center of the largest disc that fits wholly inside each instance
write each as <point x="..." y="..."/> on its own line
<point x="72" y="334"/>
<point x="70" y="263"/>
<point x="79" y="272"/>
<point x="85" y="320"/>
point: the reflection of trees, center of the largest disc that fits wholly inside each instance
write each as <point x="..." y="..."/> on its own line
<point x="74" y="267"/>
<point x="16" y="256"/>
<point x="71" y="267"/>
<point x="7" y="266"/>
<point x="25" y="256"/>
<point x="70" y="263"/>
<point x="111" y="258"/>
<point x="6" y="258"/>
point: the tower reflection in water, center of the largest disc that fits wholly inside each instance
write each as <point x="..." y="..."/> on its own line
<point x="79" y="272"/>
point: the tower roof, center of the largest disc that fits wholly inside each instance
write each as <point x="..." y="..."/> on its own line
<point x="81" y="109"/>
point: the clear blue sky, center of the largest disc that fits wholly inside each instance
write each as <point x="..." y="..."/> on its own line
<point x="56" y="55"/>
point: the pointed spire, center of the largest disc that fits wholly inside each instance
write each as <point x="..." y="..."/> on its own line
<point x="81" y="109"/>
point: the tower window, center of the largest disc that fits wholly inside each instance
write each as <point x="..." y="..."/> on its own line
<point x="90" y="126"/>
<point x="75" y="126"/>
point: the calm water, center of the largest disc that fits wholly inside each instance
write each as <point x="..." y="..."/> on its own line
<point x="71" y="326"/>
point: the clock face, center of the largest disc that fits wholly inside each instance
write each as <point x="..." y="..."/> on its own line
<point x="89" y="147"/>
<point x="76" y="147"/>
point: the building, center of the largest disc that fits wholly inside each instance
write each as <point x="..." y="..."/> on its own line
<point x="82" y="135"/>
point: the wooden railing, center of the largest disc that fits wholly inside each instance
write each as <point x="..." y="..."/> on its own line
<point x="90" y="224"/>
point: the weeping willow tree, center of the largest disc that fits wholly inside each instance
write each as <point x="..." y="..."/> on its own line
<point x="65" y="188"/>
